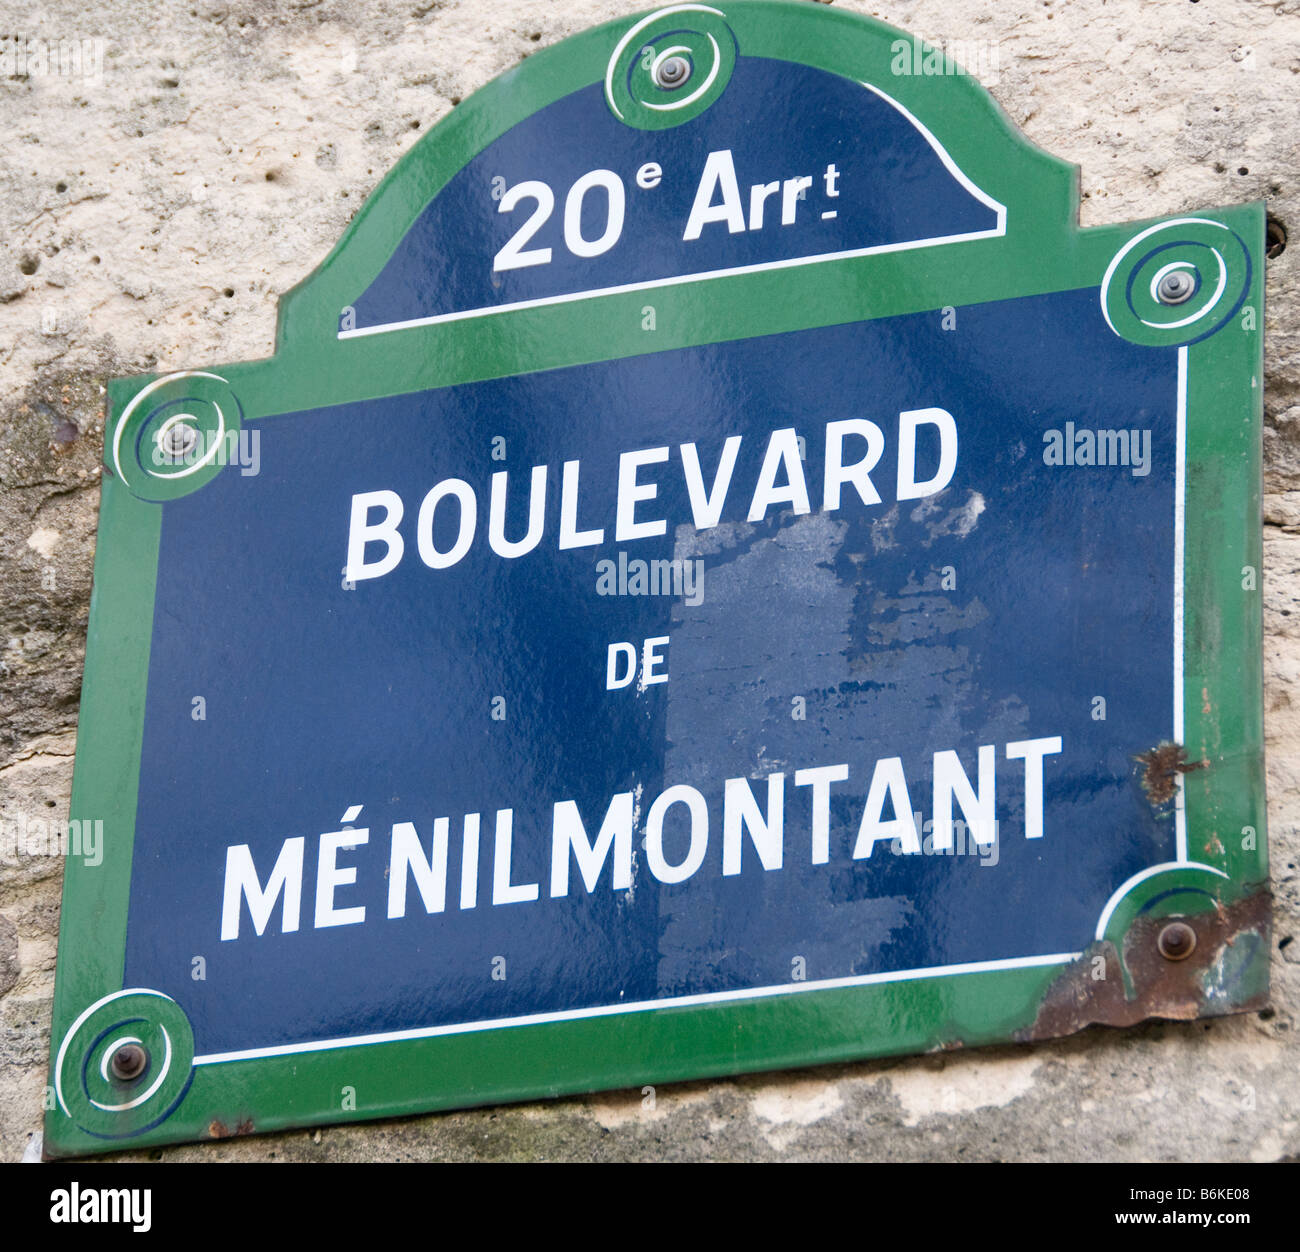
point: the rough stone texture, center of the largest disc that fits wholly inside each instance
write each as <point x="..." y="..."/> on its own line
<point x="153" y="215"/>
<point x="9" y="963"/>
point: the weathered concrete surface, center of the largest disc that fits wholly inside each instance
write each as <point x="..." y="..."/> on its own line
<point x="151" y="216"/>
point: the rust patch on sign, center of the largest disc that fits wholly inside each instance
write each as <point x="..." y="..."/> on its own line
<point x="1206" y="984"/>
<point x="218" y="1129"/>
<point x="1161" y="766"/>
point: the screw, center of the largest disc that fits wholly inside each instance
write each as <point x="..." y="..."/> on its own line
<point x="672" y="72"/>
<point x="1177" y="941"/>
<point x="177" y="441"/>
<point x="1175" y="287"/>
<point x="129" y="1062"/>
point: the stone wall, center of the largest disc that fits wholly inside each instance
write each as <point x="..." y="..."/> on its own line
<point x="208" y="153"/>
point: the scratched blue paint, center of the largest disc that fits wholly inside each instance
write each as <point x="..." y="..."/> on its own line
<point x="777" y="118"/>
<point x="319" y="697"/>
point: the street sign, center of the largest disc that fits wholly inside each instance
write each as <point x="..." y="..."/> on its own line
<point x="720" y="573"/>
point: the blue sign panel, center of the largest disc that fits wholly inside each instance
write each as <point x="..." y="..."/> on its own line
<point x="777" y="665"/>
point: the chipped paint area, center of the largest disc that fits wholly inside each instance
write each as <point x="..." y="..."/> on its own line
<point x="617" y="1109"/>
<point x="955" y="1090"/>
<point x="1270" y="1147"/>
<point x="958" y="521"/>
<point x="1161" y="766"/>
<point x="44" y="540"/>
<point x="1222" y="974"/>
<point x="787" y="1110"/>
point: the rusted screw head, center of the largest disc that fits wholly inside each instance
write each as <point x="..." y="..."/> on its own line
<point x="129" y="1062"/>
<point x="1177" y="941"/>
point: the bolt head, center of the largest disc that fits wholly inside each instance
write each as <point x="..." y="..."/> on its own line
<point x="178" y="441"/>
<point x="1175" y="287"/>
<point x="129" y="1062"/>
<point x="1177" y="941"/>
<point x="672" y="72"/>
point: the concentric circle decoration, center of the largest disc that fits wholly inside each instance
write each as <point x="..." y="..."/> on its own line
<point x="175" y="435"/>
<point x="1135" y="293"/>
<point x="84" y="1083"/>
<point x="643" y="85"/>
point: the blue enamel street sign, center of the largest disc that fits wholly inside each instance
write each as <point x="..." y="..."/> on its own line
<point x="720" y="573"/>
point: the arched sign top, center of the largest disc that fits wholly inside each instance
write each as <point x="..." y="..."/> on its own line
<point x="795" y="137"/>
<point x="790" y="165"/>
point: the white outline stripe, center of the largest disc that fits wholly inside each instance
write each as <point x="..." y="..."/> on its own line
<point x="1180" y="509"/>
<point x="1180" y="524"/>
<point x="942" y="153"/>
<point x="1141" y="876"/>
<point x="705" y="275"/>
<point x="429" y="1032"/>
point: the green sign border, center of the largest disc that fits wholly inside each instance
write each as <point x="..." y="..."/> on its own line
<point x="1042" y="251"/>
